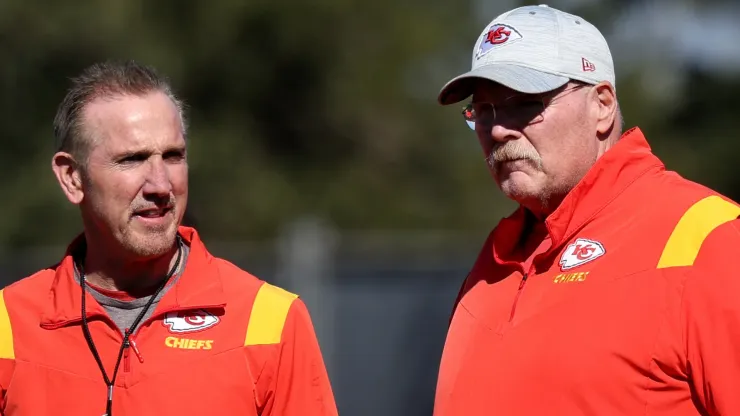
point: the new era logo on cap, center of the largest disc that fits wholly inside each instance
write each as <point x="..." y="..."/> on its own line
<point x="497" y="35"/>
<point x="588" y="66"/>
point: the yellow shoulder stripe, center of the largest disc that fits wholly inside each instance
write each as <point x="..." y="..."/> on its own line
<point x="693" y="228"/>
<point x="268" y="316"/>
<point x="6" y="332"/>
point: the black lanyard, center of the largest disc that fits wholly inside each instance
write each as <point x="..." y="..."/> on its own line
<point x="126" y="343"/>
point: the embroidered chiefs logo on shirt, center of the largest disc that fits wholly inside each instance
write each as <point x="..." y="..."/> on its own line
<point x="189" y="321"/>
<point x="581" y="252"/>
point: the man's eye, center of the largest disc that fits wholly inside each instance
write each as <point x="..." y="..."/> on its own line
<point x="134" y="158"/>
<point x="528" y="107"/>
<point x="174" y="156"/>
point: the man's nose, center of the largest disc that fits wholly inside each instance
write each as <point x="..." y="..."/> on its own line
<point x="502" y="134"/>
<point x="495" y="136"/>
<point x="158" y="179"/>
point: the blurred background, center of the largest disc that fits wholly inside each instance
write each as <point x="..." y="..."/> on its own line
<point x="320" y="160"/>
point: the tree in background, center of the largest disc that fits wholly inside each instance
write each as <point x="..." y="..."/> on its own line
<point x="325" y="108"/>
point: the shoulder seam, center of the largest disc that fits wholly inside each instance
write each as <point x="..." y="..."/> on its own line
<point x="695" y="225"/>
<point x="7" y="350"/>
<point x="36" y="275"/>
<point x="269" y="314"/>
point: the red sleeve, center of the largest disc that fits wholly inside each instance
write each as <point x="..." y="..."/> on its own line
<point x="7" y="354"/>
<point x="6" y="371"/>
<point x="460" y="293"/>
<point x="300" y="385"/>
<point x="711" y="322"/>
<point x="481" y="267"/>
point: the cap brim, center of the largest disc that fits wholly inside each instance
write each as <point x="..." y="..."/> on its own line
<point x="518" y="78"/>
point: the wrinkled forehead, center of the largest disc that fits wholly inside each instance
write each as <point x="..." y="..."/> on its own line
<point x="131" y="121"/>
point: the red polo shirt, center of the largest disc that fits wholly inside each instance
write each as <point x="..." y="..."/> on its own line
<point x="220" y="342"/>
<point x="631" y="308"/>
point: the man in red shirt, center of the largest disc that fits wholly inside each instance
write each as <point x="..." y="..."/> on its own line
<point x="138" y="318"/>
<point x="612" y="289"/>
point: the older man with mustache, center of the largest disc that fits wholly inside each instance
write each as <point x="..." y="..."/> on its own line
<point x="610" y="290"/>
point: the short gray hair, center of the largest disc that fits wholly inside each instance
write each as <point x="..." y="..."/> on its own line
<point x="104" y="79"/>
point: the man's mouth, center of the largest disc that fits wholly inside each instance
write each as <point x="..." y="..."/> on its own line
<point x="508" y="160"/>
<point x="156" y="212"/>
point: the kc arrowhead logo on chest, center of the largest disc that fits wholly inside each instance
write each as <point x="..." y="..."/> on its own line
<point x="580" y="252"/>
<point x="189" y="321"/>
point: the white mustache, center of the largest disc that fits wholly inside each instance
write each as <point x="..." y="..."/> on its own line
<point x="511" y="151"/>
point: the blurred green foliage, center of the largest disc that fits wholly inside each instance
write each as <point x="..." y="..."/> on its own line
<point x="325" y="107"/>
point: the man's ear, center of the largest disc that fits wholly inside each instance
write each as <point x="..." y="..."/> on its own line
<point x="606" y="99"/>
<point x="69" y="175"/>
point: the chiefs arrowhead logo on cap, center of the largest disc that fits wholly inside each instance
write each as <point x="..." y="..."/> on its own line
<point x="496" y="35"/>
<point x="189" y="321"/>
<point x="581" y="252"/>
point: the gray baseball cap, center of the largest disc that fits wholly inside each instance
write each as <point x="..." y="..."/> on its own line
<point x="534" y="49"/>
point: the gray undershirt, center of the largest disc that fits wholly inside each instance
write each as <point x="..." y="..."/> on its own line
<point x="124" y="313"/>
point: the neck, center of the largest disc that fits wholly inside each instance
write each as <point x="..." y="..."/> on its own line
<point x="537" y="212"/>
<point x="530" y="220"/>
<point x="607" y="143"/>
<point x="542" y="207"/>
<point x="127" y="274"/>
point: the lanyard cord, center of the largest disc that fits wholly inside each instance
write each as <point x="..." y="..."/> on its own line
<point x="127" y="333"/>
